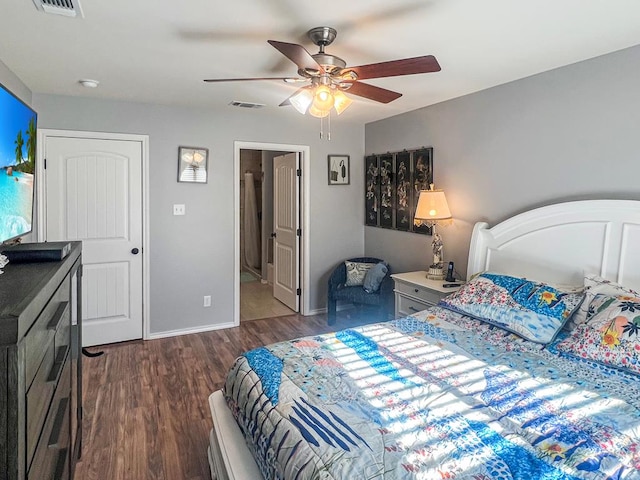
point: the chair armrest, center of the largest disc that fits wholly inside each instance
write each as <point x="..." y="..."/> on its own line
<point x="387" y="285"/>
<point x="337" y="278"/>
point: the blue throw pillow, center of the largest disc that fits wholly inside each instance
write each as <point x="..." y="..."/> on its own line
<point x="374" y="277"/>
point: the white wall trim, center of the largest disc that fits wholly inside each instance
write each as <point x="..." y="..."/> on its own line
<point x="305" y="154"/>
<point x="188" y="331"/>
<point x="43" y="133"/>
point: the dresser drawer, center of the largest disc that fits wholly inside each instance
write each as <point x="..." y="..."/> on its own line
<point x="409" y="306"/>
<point x="51" y="457"/>
<point x="44" y="329"/>
<point x="49" y="378"/>
<point x="427" y="296"/>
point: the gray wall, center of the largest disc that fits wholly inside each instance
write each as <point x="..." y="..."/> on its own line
<point x="567" y="134"/>
<point x="13" y="83"/>
<point x="192" y="256"/>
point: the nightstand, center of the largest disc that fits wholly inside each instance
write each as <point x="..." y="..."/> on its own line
<point x="414" y="292"/>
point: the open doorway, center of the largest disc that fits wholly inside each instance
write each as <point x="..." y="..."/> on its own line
<point x="261" y="259"/>
<point x="257" y="235"/>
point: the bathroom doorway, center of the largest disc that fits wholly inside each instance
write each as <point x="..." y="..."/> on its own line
<point x="256" y="232"/>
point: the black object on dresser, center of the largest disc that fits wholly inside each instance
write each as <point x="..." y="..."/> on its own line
<point x="40" y="369"/>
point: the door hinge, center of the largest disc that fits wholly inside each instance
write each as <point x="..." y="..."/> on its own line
<point x="299" y="232"/>
<point x="299" y="172"/>
<point x="45" y="163"/>
<point x="299" y="291"/>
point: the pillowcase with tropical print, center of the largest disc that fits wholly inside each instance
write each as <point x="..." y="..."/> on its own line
<point x="611" y="336"/>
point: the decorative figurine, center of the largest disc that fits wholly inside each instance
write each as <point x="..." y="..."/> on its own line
<point x="436" y="244"/>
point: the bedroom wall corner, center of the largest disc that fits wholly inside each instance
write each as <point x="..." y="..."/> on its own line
<point x="566" y="134"/>
<point x="13" y="83"/>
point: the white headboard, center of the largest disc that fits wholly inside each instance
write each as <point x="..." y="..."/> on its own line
<point x="560" y="243"/>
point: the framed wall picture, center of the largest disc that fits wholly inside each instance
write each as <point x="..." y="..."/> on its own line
<point x="386" y="191"/>
<point x="338" y="166"/>
<point x="403" y="191"/>
<point x="372" y="194"/>
<point x="193" y="164"/>
<point x="422" y="169"/>
<point x="392" y="186"/>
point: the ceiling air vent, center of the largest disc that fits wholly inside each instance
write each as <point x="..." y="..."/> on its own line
<point x="236" y="103"/>
<point x="68" y="8"/>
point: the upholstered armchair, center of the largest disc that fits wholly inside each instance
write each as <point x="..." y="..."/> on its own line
<point x="383" y="298"/>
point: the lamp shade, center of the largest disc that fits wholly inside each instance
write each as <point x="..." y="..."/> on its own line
<point x="323" y="98"/>
<point x="341" y="101"/>
<point x="302" y="100"/>
<point x="432" y="206"/>
<point x="317" y="112"/>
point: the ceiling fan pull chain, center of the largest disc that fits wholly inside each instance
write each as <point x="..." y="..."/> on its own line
<point x="329" y="126"/>
<point x="321" y="128"/>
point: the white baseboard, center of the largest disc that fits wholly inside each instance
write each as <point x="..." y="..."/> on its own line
<point x="188" y="331"/>
<point x="339" y="308"/>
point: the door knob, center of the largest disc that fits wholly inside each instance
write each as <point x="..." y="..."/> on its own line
<point x="273" y="235"/>
<point x="134" y="251"/>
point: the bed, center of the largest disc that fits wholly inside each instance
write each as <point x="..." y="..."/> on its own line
<point x="447" y="393"/>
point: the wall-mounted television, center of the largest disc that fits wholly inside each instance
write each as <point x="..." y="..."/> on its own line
<point x="18" y="123"/>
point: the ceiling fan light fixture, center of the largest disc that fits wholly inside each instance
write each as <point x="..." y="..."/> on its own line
<point x="341" y="101"/>
<point x="302" y="100"/>
<point x="316" y="112"/>
<point x="323" y="98"/>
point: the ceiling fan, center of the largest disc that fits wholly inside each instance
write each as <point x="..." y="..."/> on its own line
<point x="329" y="77"/>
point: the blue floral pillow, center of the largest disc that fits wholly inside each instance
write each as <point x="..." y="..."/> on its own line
<point x="611" y="335"/>
<point x="535" y="311"/>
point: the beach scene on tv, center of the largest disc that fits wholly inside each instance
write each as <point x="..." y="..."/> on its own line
<point x="17" y="166"/>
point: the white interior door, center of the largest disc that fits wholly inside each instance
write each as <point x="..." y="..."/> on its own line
<point x="94" y="194"/>
<point x="286" y="267"/>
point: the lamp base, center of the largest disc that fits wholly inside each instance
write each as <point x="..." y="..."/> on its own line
<point x="435" y="273"/>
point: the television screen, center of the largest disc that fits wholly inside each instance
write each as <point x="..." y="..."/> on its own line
<point x="17" y="165"/>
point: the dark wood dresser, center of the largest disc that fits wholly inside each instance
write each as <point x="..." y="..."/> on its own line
<point x="40" y="369"/>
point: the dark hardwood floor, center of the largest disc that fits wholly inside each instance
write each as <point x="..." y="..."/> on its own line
<point x="146" y="414"/>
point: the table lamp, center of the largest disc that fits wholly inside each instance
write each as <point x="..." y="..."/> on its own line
<point x="432" y="209"/>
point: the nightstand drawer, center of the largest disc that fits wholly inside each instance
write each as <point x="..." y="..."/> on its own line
<point x="409" y="306"/>
<point x="419" y="293"/>
<point x="415" y="292"/>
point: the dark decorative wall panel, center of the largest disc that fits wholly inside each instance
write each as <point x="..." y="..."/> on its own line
<point x="372" y="193"/>
<point x="403" y="191"/>
<point x="392" y="184"/>
<point x="385" y="163"/>
<point x="422" y="168"/>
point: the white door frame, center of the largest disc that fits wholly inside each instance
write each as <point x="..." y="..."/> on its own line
<point x="43" y="134"/>
<point x="305" y="164"/>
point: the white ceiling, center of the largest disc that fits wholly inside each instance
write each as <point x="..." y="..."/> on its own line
<point x="159" y="51"/>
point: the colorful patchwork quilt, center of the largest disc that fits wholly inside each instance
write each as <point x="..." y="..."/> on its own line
<point x="434" y="396"/>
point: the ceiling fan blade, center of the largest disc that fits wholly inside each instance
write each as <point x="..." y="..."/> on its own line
<point x="395" y="68"/>
<point x="285" y="79"/>
<point x="298" y="55"/>
<point x="371" y="92"/>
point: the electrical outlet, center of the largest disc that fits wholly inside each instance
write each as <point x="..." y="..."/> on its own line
<point x="207" y="300"/>
<point x="179" y="209"/>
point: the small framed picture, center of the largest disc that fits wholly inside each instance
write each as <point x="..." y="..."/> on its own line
<point x="339" y="170"/>
<point x="193" y="164"/>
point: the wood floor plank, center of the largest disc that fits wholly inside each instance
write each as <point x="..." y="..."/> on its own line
<point x="146" y="413"/>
